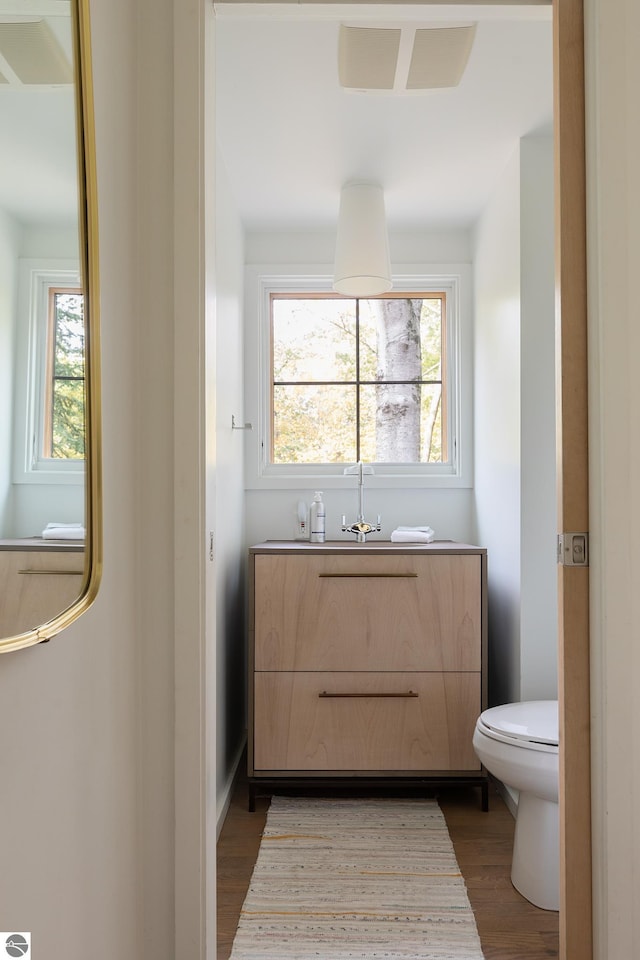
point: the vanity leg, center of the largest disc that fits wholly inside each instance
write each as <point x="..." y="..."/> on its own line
<point x="252" y="798"/>
<point x="485" y="796"/>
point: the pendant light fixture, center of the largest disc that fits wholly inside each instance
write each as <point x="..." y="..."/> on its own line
<point x="362" y="265"/>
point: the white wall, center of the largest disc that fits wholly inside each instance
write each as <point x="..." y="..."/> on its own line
<point x="515" y="424"/>
<point x="270" y="513"/>
<point x="190" y="26"/>
<point x="88" y="722"/>
<point x="145" y="338"/>
<point x="497" y="423"/>
<point x="538" y="526"/>
<point x="41" y="241"/>
<point x="25" y="508"/>
<point x="69" y="720"/>
<point x="229" y="531"/>
<point x="9" y="246"/>
<point x="452" y="246"/>
<point x="36" y="504"/>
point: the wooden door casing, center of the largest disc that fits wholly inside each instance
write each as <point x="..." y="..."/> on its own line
<point x="576" y="937"/>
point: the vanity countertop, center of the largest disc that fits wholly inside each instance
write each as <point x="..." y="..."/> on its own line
<point x="41" y="545"/>
<point x="436" y="547"/>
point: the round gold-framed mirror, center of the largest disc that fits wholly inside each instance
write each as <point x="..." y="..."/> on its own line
<point x="50" y="441"/>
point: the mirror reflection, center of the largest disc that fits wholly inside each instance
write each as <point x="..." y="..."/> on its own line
<point x="44" y="395"/>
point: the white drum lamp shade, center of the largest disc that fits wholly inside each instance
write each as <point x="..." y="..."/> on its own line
<point x="362" y="265"/>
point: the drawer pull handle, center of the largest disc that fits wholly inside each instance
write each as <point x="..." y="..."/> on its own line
<point x="324" y="695"/>
<point x="369" y="576"/>
<point x="52" y="573"/>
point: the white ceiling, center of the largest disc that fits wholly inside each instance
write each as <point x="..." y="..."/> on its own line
<point x="38" y="182"/>
<point x="38" y="158"/>
<point x="290" y="136"/>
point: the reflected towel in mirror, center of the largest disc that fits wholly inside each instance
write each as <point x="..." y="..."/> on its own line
<point x="63" y="531"/>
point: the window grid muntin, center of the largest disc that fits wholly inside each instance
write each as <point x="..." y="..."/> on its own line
<point x="358" y="382"/>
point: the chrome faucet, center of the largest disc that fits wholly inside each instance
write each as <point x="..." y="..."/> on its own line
<point x="361" y="527"/>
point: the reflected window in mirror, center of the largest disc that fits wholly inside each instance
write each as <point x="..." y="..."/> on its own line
<point x="50" y="393"/>
<point x="63" y="434"/>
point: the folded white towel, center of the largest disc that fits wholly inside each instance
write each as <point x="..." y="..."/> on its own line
<point x="57" y="523"/>
<point x="412" y="535"/>
<point x="424" y="529"/>
<point x="64" y="531"/>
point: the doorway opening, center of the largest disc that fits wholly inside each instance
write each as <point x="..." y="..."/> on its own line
<point x="263" y="211"/>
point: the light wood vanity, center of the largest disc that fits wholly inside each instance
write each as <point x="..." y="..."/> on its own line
<point x="366" y="661"/>
<point x="38" y="579"/>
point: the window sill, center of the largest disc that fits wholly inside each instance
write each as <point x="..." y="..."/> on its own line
<point x="44" y="476"/>
<point x="337" y="481"/>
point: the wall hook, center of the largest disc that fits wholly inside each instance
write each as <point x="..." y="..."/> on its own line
<point x="236" y="426"/>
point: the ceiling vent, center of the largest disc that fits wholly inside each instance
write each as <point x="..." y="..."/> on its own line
<point x="367" y="57"/>
<point x="403" y="59"/>
<point x="31" y="54"/>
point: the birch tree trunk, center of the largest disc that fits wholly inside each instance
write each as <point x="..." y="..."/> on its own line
<point x="399" y="358"/>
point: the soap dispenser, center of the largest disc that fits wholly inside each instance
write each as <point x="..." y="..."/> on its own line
<point x="317" y="519"/>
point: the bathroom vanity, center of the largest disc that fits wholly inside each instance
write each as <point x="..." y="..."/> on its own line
<point x="38" y="579"/>
<point x="367" y="662"/>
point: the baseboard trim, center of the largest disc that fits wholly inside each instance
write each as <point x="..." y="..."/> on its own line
<point x="225" y="794"/>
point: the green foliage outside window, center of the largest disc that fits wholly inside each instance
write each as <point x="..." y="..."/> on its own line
<point x="358" y="379"/>
<point x="65" y="433"/>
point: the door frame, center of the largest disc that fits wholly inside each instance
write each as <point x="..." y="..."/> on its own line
<point x="576" y="908"/>
<point x="576" y="933"/>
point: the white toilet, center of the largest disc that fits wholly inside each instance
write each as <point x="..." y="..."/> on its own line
<point x="518" y="744"/>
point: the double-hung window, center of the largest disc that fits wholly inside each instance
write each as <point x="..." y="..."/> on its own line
<point x="50" y="381"/>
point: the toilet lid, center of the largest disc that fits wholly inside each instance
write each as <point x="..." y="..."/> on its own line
<point x="534" y="720"/>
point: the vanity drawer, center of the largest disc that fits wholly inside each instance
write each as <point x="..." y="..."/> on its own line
<point x="365" y="721"/>
<point x="367" y="612"/>
<point x="35" y="585"/>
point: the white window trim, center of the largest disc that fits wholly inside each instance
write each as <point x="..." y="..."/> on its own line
<point x="35" y="279"/>
<point x="261" y="281"/>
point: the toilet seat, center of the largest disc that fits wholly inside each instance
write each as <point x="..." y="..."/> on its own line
<point x="532" y="724"/>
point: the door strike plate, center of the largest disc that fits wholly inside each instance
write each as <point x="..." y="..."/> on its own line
<point x="573" y="549"/>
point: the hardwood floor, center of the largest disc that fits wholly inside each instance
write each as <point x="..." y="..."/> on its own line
<point x="510" y="927"/>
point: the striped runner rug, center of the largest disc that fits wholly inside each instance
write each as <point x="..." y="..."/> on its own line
<point x="354" y="878"/>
